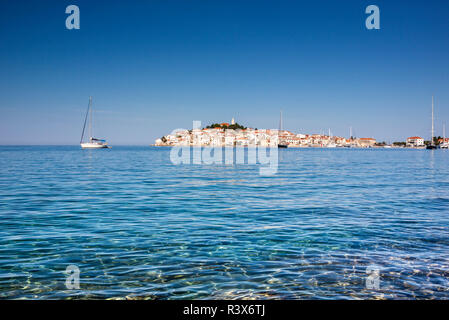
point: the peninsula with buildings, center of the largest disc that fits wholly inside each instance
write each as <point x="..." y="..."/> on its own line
<point x="235" y="135"/>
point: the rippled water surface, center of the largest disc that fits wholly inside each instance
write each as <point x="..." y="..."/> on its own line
<point x="138" y="226"/>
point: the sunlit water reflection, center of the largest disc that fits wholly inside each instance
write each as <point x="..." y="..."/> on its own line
<point x="138" y="226"/>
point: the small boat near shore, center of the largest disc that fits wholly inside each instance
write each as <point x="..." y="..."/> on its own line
<point x="92" y="143"/>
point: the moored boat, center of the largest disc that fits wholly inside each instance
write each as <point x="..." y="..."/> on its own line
<point x="92" y="143"/>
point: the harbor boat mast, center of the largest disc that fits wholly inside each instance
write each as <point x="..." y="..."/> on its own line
<point x="444" y="145"/>
<point x="280" y="143"/>
<point x="433" y="128"/>
<point x="432" y="143"/>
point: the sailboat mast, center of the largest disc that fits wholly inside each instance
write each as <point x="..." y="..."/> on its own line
<point x="444" y="132"/>
<point x="280" y="122"/>
<point x="432" y="142"/>
<point x="90" y="118"/>
<point x="85" y="121"/>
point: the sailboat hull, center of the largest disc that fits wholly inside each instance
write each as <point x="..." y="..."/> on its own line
<point x="94" y="146"/>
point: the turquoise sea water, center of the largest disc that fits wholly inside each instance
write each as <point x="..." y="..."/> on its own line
<point x="138" y="226"/>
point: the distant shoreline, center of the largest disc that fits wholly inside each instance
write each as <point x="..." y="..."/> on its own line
<point x="209" y="146"/>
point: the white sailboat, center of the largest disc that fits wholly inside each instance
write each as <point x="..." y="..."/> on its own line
<point x="92" y="143"/>
<point x="331" y="144"/>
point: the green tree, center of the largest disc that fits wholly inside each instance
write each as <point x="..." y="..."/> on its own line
<point x="232" y="126"/>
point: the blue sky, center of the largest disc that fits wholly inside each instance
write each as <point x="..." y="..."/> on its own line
<point x="153" y="66"/>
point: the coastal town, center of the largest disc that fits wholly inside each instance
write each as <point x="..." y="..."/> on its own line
<point x="235" y="135"/>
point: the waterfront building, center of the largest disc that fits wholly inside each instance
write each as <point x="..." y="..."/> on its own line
<point x="366" y="142"/>
<point x="415" y="142"/>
